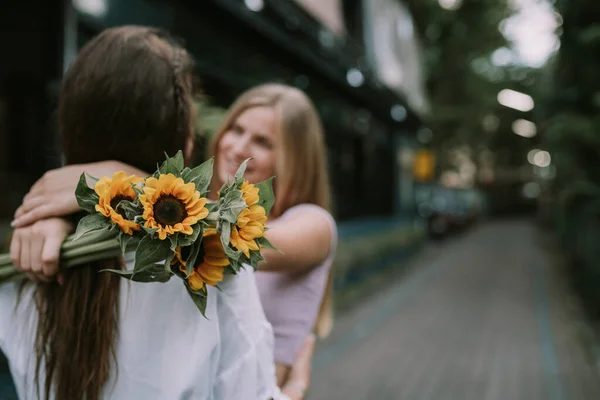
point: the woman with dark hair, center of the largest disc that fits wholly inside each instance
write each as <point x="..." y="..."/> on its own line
<point x="279" y="128"/>
<point x="128" y="97"/>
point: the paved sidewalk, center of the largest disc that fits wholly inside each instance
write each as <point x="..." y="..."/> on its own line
<point x="483" y="317"/>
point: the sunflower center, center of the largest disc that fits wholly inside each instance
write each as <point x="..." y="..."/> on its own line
<point x="114" y="203"/>
<point x="169" y="210"/>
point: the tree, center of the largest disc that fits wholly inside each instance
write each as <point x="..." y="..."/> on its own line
<point x="462" y="81"/>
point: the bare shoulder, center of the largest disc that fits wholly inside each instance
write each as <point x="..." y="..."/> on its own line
<point x="309" y="218"/>
<point x="305" y="234"/>
<point x="310" y="211"/>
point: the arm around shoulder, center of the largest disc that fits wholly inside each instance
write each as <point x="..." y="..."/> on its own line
<point x="305" y="239"/>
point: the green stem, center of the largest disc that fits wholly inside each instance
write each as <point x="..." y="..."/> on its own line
<point x="7" y="271"/>
<point x="13" y="278"/>
<point x="92" y="237"/>
<point x="103" y="246"/>
<point x="5" y="260"/>
<point x="84" y="259"/>
<point x="78" y="256"/>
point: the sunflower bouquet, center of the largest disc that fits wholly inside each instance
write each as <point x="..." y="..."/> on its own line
<point x="168" y="222"/>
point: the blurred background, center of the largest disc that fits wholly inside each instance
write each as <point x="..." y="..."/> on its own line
<point x="464" y="156"/>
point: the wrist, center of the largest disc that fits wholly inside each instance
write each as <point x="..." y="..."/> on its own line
<point x="295" y="387"/>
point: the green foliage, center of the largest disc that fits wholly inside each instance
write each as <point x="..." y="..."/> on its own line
<point x="462" y="82"/>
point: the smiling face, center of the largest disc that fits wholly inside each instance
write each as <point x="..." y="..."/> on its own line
<point x="253" y="134"/>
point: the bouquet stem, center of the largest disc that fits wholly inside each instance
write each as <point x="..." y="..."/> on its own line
<point x="91" y="247"/>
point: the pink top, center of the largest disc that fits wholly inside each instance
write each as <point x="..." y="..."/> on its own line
<point x="292" y="301"/>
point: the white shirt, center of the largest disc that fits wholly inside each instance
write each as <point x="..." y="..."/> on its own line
<point x="166" y="349"/>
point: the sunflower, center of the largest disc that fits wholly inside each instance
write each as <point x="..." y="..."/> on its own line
<point x="210" y="270"/>
<point x="111" y="191"/>
<point x="171" y="205"/>
<point x="249" y="193"/>
<point x="250" y="226"/>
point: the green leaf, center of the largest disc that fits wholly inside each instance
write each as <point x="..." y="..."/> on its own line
<point x="156" y="273"/>
<point x="126" y="241"/>
<point x="201" y="175"/>
<point x="153" y="273"/>
<point x="150" y="231"/>
<point x="255" y="258"/>
<point x="230" y="270"/>
<point x="86" y="196"/>
<point x="190" y="262"/>
<point x="225" y="239"/>
<point x="239" y="174"/>
<point x="172" y="165"/>
<point x="150" y="252"/>
<point x="173" y="241"/>
<point x="91" y="223"/>
<point x="93" y="180"/>
<point x="187" y="240"/>
<point x="138" y="190"/>
<point x="223" y="190"/>
<point x="129" y="208"/>
<point x="167" y="265"/>
<point x="267" y="197"/>
<point x="233" y="204"/>
<point x="236" y="265"/>
<point x="232" y="254"/>
<point x="122" y="273"/>
<point x="225" y="234"/>
<point x="199" y="299"/>
<point x="264" y="242"/>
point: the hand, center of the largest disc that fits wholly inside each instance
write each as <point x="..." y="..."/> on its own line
<point x="35" y="249"/>
<point x="299" y="378"/>
<point x="53" y="195"/>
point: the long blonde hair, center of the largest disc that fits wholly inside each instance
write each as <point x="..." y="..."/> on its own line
<point x="301" y="164"/>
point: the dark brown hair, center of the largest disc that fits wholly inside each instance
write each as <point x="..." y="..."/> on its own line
<point x="127" y="97"/>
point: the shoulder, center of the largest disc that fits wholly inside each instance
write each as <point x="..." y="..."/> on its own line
<point x="320" y="222"/>
<point x="313" y="214"/>
<point x="307" y="209"/>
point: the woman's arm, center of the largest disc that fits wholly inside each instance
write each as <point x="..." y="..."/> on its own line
<point x="303" y="238"/>
<point x="298" y="377"/>
<point x="53" y="195"/>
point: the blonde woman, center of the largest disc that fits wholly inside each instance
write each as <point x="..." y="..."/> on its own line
<point x="278" y="127"/>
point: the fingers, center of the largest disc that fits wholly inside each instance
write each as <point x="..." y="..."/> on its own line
<point x="58" y="206"/>
<point x="35" y="256"/>
<point x="35" y="250"/>
<point x="19" y="250"/>
<point x="29" y="203"/>
<point x="46" y="210"/>
<point x="15" y="250"/>
<point x="50" y="255"/>
<point x="24" y="256"/>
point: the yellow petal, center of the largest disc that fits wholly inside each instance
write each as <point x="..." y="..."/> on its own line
<point x="252" y="231"/>
<point x="218" y="261"/>
<point x="195" y="281"/>
<point x="210" y="274"/>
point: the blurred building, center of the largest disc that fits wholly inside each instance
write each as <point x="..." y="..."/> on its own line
<point x="358" y="60"/>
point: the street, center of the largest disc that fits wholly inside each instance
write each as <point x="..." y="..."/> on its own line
<point x="485" y="316"/>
